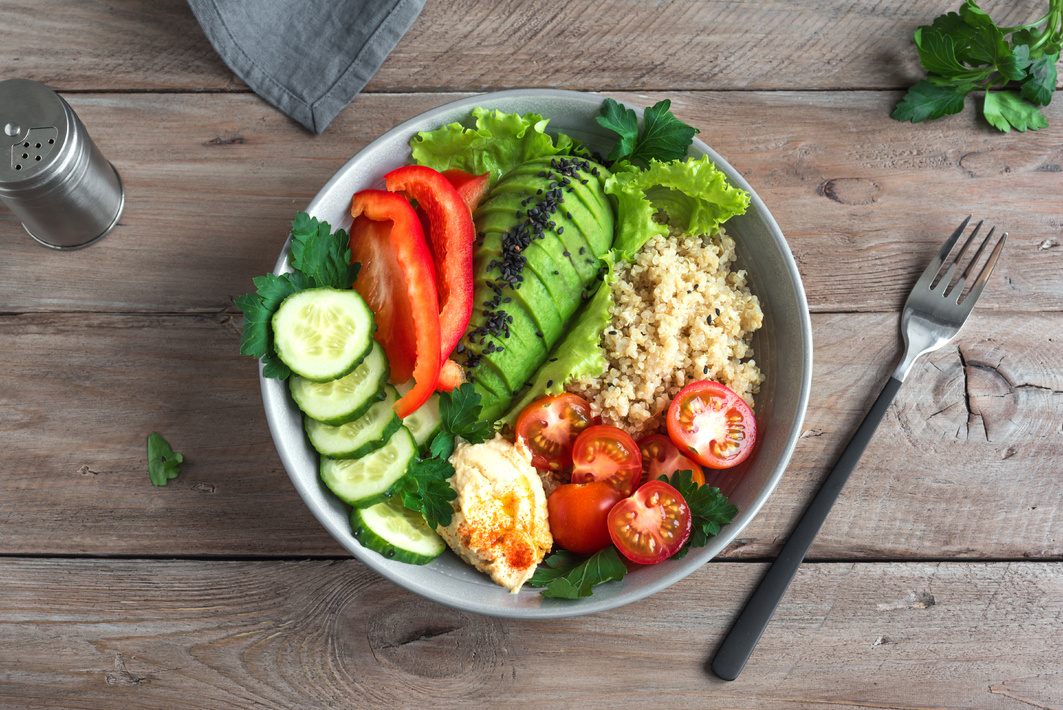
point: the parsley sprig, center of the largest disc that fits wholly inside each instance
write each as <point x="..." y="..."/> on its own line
<point x="565" y="575"/>
<point x="163" y="462"/>
<point x="663" y="136"/>
<point x="427" y="489"/>
<point x="320" y="258"/>
<point x="966" y="51"/>
<point x="709" y="510"/>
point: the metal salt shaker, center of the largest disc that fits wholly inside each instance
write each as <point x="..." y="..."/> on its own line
<point x="52" y="176"/>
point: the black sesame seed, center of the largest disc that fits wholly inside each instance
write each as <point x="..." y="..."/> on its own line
<point x="717" y="311"/>
<point x="612" y="332"/>
<point x="565" y="252"/>
<point x="549" y="383"/>
<point x="553" y="359"/>
<point x="582" y="251"/>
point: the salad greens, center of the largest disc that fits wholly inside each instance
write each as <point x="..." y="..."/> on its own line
<point x="163" y="462"/>
<point x="966" y="51"/>
<point x="663" y="137"/>
<point x="568" y="576"/>
<point x="320" y="258"/>
<point x="497" y="143"/>
<point x="428" y="490"/>
<point x="709" y="510"/>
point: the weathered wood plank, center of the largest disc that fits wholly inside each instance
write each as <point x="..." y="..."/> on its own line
<point x="138" y="634"/>
<point x="966" y="463"/>
<point x="462" y="45"/>
<point x="864" y="200"/>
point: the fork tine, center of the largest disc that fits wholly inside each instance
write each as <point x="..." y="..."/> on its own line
<point x="983" y="275"/>
<point x="934" y="266"/>
<point x="957" y="290"/>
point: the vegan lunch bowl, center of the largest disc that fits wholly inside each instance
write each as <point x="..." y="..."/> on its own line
<point x="654" y="318"/>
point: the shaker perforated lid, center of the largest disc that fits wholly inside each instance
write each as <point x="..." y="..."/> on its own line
<point x="52" y="176"/>
<point x="35" y="124"/>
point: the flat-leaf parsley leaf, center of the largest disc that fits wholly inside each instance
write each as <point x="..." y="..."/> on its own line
<point x="663" y="136"/>
<point x="320" y="258"/>
<point x="709" y="510"/>
<point x="163" y="462"/>
<point x="966" y="51"/>
<point x="567" y="576"/>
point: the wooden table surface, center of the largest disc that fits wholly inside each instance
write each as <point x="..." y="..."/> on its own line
<point x="936" y="582"/>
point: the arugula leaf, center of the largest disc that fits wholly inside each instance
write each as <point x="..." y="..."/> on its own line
<point x="459" y="411"/>
<point x="709" y="510"/>
<point x="966" y="51"/>
<point x="428" y="491"/>
<point x="324" y="257"/>
<point x="163" y="462"/>
<point x="1041" y="80"/>
<point x="568" y="576"/>
<point x="663" y="136"/>
<point x="926" y="101"/>
<point x="1004" y="109"/>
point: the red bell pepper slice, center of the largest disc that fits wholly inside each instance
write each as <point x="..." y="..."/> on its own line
<point x="451" y="234"/>
<point x="472" y="188"/>
<point x="397" y="281"/>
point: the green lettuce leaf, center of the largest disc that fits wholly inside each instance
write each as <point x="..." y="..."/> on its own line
<point x="693" y="194"/>
<point x="496" y="144"/>
<point x="578" y="354"/>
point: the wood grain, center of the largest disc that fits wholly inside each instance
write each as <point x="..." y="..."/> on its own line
<point x="864" y="201"/>
<point x="965" y="464"/>
<point x="138" y="634"/>
<point x="462" y="45"/>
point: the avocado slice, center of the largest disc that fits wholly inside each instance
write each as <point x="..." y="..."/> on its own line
<point x="560" y="252"/>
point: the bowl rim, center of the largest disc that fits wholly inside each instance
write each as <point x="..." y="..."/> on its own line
<point x="588" y="605"/>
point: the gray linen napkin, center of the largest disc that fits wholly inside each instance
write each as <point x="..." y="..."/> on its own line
<point x="309" y="58"/>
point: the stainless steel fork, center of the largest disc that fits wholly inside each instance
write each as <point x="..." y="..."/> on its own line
<point x="932" y="316"/>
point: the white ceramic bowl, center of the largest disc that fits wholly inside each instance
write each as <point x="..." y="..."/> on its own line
<point x="783" y="348"/>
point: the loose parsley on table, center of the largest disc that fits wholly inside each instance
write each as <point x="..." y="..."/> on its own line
<point x="320" y="258"/>
<point x="663" y="136"/>
<point x="427" y="489"/>
<point x="163" y="462"/>
<point x="966" y="51"/>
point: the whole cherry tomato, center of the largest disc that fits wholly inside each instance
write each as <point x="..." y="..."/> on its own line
<point x="578" y="513"/>
<point x="605" y="453"/>
<point x="650" y="525"/>
<point x="660" y="457"/>
<point x="549" y="427"/>
<point x="712" y="424"/>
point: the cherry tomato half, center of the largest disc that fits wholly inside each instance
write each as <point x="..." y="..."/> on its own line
<point x="549" y="427"/>
<point x="605" y="453"/>
<point x="660" y="457"/>
<point x="578" y="514"/>
<point x="650" y="525"/>
<point x="712" y="424"/>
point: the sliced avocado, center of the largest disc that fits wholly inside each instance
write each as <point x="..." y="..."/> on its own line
<point x="560" y="253"/>
<point x="560" y="287"/>
<point x="534" y="297"/>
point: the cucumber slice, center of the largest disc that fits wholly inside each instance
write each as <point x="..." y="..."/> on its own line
<point x="396" y="532"/>
<point x="374" y="478"/>
<point x="424" y="422"/>
<point x="340" y="401"/>
<point x="358" y="438"/>
<point x="323" y="333"/>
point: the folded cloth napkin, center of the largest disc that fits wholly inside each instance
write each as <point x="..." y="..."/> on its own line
<point x="309" y="58"/>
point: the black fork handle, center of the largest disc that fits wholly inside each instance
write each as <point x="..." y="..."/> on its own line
<point x="736" y="648"/>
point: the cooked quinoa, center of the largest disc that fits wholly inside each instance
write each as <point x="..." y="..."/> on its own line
<point x="680" y="314"/>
